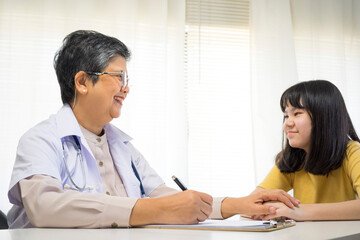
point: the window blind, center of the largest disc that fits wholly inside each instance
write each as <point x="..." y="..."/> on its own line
<point x="217" y="96"/>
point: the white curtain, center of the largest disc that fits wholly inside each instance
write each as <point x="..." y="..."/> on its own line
<point x="273" y="67"/>
<point x="217" y="76"/>
<point x="295" y="41"/>
<point x="153" y="114"/>
<point x="218" y="126"/>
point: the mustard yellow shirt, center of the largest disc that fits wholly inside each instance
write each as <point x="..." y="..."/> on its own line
<point x="342" y="184"/>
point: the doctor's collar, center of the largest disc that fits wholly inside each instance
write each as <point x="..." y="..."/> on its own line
<point x="113" y="132"/>
<point x="66" y="122"/>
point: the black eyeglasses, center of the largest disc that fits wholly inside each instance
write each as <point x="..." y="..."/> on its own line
<point x="123" y="77"/>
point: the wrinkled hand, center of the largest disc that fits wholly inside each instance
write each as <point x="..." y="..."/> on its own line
<point x="253" y="204"/>
<point x="273" y="203"/>
<point x="282" y="212"/>
<point x="276" y="195"/>
<point x="187" y="207"/>
<point x="258" y="208"/>
<point x="273" y="216"/>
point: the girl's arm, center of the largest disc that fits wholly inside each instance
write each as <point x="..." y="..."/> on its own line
<point x="348" y="210"/>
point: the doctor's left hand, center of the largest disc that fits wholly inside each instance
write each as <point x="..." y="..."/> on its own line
<point x="187" y="207"/>
<point x="253" y="204"/>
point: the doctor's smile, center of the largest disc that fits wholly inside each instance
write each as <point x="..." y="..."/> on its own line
<point x="119" y="99"/>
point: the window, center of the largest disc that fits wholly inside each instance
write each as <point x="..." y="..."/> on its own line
<point x="217" y="95"/>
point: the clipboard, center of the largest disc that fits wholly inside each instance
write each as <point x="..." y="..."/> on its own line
<point x="230" y="225"/>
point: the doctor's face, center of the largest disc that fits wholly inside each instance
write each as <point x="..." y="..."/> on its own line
<point x="107" y="95"/>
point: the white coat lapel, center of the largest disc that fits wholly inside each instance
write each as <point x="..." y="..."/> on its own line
<point x="122" y="158"/>
<point x="69" y="126"/>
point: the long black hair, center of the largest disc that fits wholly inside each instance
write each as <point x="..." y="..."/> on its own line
<point x="331" y="128"/>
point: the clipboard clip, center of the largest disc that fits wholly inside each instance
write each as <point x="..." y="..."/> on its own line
<point x="271" y="223"/>
<point x="280" y="223"/>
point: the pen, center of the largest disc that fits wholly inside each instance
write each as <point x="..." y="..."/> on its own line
<point x="179" y="183"/>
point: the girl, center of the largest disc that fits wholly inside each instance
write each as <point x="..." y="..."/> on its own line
<point x="320" y="158"/>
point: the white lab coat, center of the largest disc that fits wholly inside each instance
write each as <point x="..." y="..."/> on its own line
<point x="40" y="151"/>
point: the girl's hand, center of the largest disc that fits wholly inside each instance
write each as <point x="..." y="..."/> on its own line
<point x="282" y="212"/>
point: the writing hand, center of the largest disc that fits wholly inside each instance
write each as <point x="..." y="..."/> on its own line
<point x="187" y="207"/>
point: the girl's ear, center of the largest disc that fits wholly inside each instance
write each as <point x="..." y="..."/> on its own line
<point x="80" y="82"/>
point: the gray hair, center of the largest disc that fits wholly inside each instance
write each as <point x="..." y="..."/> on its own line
<point x="85" y="50"/>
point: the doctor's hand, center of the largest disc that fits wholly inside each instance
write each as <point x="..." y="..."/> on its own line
<point x="187" y="207"/>
<point x="253" y="204"/>
<point x="301" y="213"/>
<point x="282" y="212"/>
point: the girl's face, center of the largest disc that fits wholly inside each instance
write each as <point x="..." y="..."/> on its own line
<point x="297" y="127"/>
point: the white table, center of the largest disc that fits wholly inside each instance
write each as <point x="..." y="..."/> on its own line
<point x="302" y="230"/>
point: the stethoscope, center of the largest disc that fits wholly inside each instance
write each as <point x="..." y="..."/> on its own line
<point x="80" y="157"/>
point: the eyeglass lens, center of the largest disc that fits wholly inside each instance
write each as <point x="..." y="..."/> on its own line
<point x="124" y="79"/>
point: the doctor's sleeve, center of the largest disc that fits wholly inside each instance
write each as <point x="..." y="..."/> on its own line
<point x="48" y="205"/>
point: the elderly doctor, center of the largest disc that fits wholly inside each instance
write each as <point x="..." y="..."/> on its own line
<point x="77" y="170"/>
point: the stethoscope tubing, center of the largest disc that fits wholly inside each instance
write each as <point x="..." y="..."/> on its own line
<point x="81" y="164"/>
<point x="79" y="154"/>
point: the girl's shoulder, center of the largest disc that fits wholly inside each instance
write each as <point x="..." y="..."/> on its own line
<point x="353" y="147"/>
<point x="352" y="154"/>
